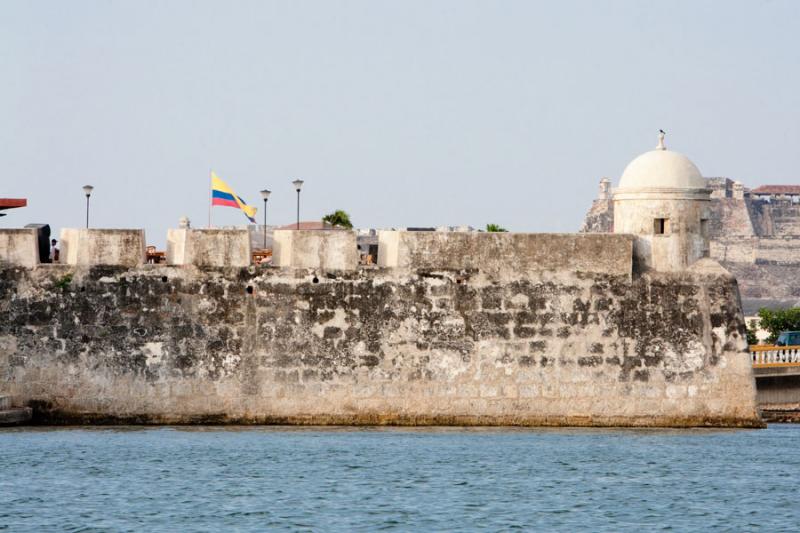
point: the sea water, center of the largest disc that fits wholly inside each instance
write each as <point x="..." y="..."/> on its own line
<point x="395" y="479"/>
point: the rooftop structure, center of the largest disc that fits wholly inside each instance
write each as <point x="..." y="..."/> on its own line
<point x="753" y="233"/>
<point x="662" y="199"/>
<point x="11" y="203"/>
<point x="661" y="169"/>
<point x="776" y="190"/>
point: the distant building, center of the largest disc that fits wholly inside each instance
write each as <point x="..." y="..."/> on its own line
<point x="780" y="192"/>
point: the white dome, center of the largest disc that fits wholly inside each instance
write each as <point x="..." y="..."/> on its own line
<point x="662" y="169"/>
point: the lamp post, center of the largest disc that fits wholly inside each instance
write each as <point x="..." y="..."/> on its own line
<point x="265" y="195"/>
<point x="298" y="184"/>
<point x="87" y="189"/>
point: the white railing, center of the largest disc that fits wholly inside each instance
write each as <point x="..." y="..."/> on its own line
<point x="775" y="355"/>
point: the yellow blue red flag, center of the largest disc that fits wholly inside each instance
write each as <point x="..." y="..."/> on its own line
<point x="222" y="194"/>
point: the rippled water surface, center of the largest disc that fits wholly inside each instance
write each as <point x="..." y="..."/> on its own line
<point x="248" y="479"/>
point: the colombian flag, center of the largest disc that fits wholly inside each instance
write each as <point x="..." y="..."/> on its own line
<point x="222" y="194"/>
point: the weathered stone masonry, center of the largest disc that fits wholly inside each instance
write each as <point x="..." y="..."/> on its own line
<point x="160" y="344"/>
<point x="636" y="328"/>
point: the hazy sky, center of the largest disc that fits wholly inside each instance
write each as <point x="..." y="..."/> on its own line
<point x="402" y="113"/>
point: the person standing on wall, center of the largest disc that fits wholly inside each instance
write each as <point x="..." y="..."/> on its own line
<point x="54" y="251"/>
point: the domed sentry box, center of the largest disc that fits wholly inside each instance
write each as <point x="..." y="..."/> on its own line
<point x="662" y="199"/>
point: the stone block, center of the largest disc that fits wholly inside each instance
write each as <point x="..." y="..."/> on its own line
<point x="15" y="416"/>
<point x="86" y="247"/>
<point x="19" y="247"/>
<point x="323" y="249"/>
<point x="209" y="247"/>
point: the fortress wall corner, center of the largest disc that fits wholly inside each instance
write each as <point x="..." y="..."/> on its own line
<point x="176" y="246"/>
<point x="86" y="247"/>
<point x="19" y="247"/>
<point x="282" y="248"/>
<point x="388" y="248"/>
<point x="323" y="249"/>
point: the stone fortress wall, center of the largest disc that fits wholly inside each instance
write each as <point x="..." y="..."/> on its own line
<point x="478" y="328"/>
<point x="755" y="239"/>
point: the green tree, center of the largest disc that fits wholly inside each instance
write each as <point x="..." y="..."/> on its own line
<point x="495" y="228"/>
<point x="338" y="218"/>
<point x="779" y="320"/>
<point x="752" y="327"/>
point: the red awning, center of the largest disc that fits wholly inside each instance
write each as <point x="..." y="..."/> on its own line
<point x="776" y="189"/>
<point x="10" y="203"/>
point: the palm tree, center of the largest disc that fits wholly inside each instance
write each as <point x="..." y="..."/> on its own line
<point x="338" y="218"/>
<point x="495" y="228"/>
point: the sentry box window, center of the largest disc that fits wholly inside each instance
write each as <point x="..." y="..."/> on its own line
<point x="661" y="226"/>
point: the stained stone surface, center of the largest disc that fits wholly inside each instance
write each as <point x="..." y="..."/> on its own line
<point x="159" y="344"/>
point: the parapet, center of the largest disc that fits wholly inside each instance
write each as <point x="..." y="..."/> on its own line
<point x="19" y="247"/>
<point x="605" y="189"/>
<point x="738" y="190"/>
<point x="323" y="249"/>
<point x="209" y="247"/>
<point x="509" y="254"/>
<point x="125" y="247"/>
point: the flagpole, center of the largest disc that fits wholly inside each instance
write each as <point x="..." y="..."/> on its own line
<point x="210" y="197"/>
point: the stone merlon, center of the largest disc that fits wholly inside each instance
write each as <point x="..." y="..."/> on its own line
<point x="123" y="247"/>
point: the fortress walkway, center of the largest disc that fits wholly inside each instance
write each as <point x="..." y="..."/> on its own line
<point x="777" y="373"/>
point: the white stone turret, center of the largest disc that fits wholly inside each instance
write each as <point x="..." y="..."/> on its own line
<point x="663" y="200"/>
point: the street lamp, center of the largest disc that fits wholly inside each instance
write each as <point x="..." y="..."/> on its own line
<point x="298" y="184"/>
<point x="265" y="195"/>
<point x="87" y="189"/>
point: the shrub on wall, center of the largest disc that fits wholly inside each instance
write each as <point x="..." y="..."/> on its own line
<point x="338" y="218"/>
<point x="495" y="228"/>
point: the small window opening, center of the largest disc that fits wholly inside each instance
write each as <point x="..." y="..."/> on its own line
<point x="704" y="227"/>
<point x="661" y="226"/>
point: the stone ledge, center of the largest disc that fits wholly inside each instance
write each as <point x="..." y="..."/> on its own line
<point x="65" y="417"/>
<point x="10" y="417"/>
